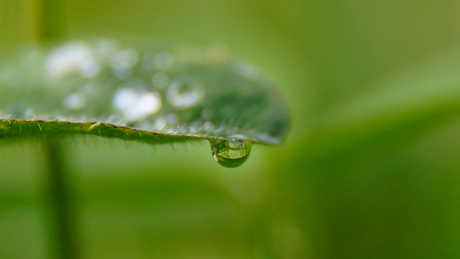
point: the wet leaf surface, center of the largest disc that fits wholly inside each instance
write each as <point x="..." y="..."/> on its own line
<point x="152" y="94"/>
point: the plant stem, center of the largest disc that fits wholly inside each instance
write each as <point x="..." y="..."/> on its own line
<point x="50" y="20"/>
<point x="51" y="26"/>
<point x="64" y="229"/>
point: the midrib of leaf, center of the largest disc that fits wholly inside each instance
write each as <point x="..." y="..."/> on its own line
<point x="23" y="129"/>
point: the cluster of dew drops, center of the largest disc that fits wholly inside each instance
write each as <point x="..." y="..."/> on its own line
<point x="131" y="104"/>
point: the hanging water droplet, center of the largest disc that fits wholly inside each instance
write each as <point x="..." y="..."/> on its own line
<point x="230" y="153"/>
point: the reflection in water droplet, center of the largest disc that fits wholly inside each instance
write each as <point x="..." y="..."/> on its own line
<point x="230" y="153"/>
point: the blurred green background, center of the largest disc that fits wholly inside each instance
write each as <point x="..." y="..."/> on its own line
<point x="370" y="168"/>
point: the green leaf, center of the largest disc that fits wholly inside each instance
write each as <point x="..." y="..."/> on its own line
<point x="400" y="108"/>
<point x="153" y="94"/>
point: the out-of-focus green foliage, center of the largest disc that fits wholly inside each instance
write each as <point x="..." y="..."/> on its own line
<point x="369" y="171"/>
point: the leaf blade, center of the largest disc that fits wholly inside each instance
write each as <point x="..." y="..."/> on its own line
<point x="100" y="88"/>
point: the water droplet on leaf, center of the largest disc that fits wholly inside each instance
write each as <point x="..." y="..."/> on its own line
<point x="75" y="101"/>
<point x="230" y="153"/>
<point x="162" y="61"/>
<point x="69" y="58"/>
<point x="185" y="93"/>
<point x="160" y="80"/>
<point x="136" y="105"/>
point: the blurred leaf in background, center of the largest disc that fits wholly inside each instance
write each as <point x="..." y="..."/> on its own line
<point x="370" y="169"/>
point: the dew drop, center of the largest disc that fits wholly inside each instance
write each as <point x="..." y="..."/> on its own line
<point x="75" y="101"/>
<point x="230" y="153"/>
<point x="160" y="80"/>
<point x="162" y="61"/>
<point x="136" y="105"/>
<point x="206" y="114"/>
<point x="72" y="57"/>
<point x="184" y="93"/>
